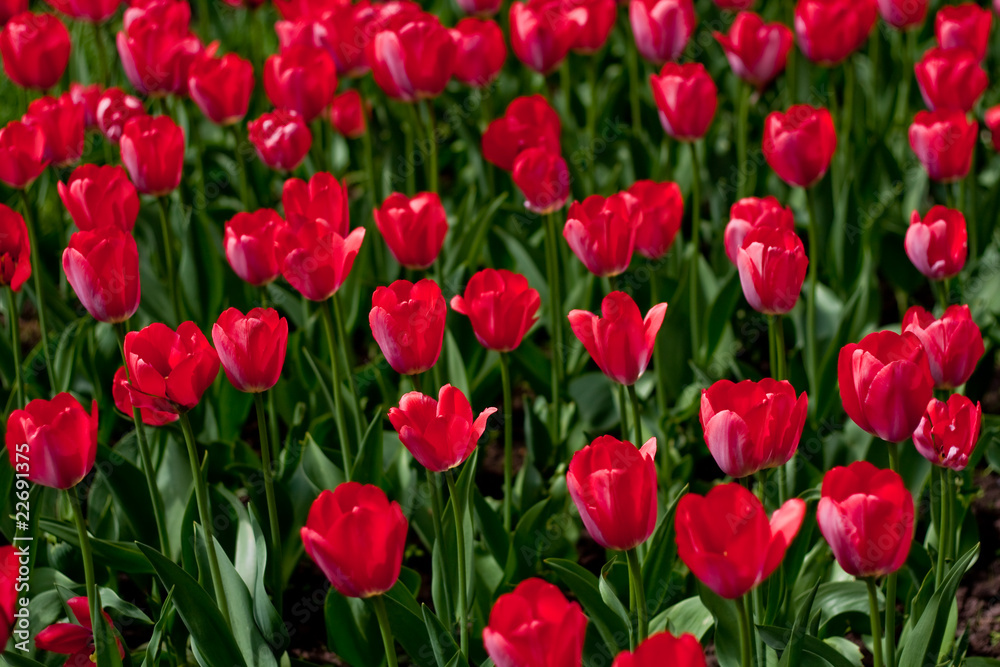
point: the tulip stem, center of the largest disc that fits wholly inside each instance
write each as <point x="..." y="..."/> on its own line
<point x="811" y="303"/>
<point x="102" y="53"/>
<point x="15" y="345"/>
<point x="460" y="539"/>
<point x="642" y="611"/>
<point x="636" y="415"/>
<point x="204" y="514"/>
<point x="746" y="652"/>
<point x="658" y="363"/>
<point x="345" y="358"/>
<point x="969" y="206"/>
<point x="632" y="63"/>
<point x="410" y="157"/>
<point x="890" y="620"/>
<point x="168" y="258"/>
<point x="272" y="504"/>
<point x="876" y="619"/>
<point x="338" y="400"/>
<point x="432" y="147"/>
<point x="93" y="594"/>
<point x="241" y="166"/>
<point x="435" y="491"/>
<point x="695" y="242"/>
<point x="555" y="316"/>
<point x="508" y="440"/>
<point x="791" y="81"/>
<point x="948" y="522"/>
<point x="36" y="275"/>
<point x="623" y="411"/>
<point x="743" y="113"/>
<point x="386" y="629"/>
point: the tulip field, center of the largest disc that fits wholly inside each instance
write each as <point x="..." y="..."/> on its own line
<point x="500" y="333"/>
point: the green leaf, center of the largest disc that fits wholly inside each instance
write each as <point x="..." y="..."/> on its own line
<point x="727" y="626"/>
<point x="348" y="626"/>
<point x="689" y="616"/>
<point x="368" y="464"/>
<point x="814" y="651"/>
<point x="407" y="623"/>
<point x="122" y="556"/>
<point x="610" y="597"/>
<point x="585" y="587"/>
<point x="152" y="658"/>
<point x="127" y="485"/>
<point x="446" y="651"/>
<point x="658" y="564"/>
<point x="840" y="598"/>
<point x="792" y="656"/>
<point x="16" y="659"/>
<point x="491" y="527"/>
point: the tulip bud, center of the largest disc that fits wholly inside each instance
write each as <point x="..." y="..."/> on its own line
<point x="664" y="648"/>
<point x="89" y="11"/>
<point x="954" y="344"/>
<point x="8" y="10"/>
<point x="543" y="179"/>
<point x="949" y="431"/>
<point x="903" y="14"/>
<point x="415" y="61"/>
<point x="529" y="122"/>
<point x="750" y="213"/>
<point x="61" y="438"/>
<point x="481" y="8"/>
<point x="114" y="109"/>
<point x="251" y="347"/>
<point x="943" y="142"/>
<point x="413" y="228"/>
<point x="169" y="370"/>
<point x="407" y="320"/>
<point x="316" y="259"/>
<point x="937" y="244"/>
<point x="15" y="249"/>
<point x="221" y="87"/>
<point x="251" y="245"/>
<point x="322" y="199"/>
<point x="799" y="144"/>
<point x="302" y="79"/>
<point x="35" y="49"/>
<point x="152" y="150"/>
<point x="22" y="154"/>
<point x="601" y="233"/>
<point x="349" y="115"/>
<point x="657" y="210"/>
<point x="686" y="98"/>
<point x="661" y="28"/>
<point x="541" y="34"/>
<point x="102" y="267"/>
<point x="480" y="51"/>
<point x="281" y="139"/>
<point x="950" y="79"/>
<point x="594" y="20"/>
<point x="756" y="51"/>
<point x="123" y="401"/>
<point x="964" y="26"/>
<point x="501" y="307"/>
<point x="157" y="49"/>
<point x="62" y="122"/>
<point x="772" y="264"/>
<point x="100" y="197"/>
<point x="828" y="31"/>
<point x="88" y="96"/>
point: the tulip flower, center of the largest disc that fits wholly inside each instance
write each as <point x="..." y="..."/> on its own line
<point x="949" y="431"/>
<point x="620" y="341"/>
<point x="322" y="199"/>
<point x="76" y="641"/>
<point x="413" y="227"/>
<point x="15" y="249"/>
<point x="686" y="98"/>
<point x="661" y="28"/>
<point x="964" y="26"/>
<point x="22" y="154"/>
<point x="601" y="233"/>
<point x="221" y="87"/>
<point x="799" y="144"/>
<point x="594" y="20"/>
<point x="407" y="320"/>
<point x="123" y="401"/>
<point x="100" y="198"/>
<point x="61" y="437"/>
<point x="529" y="122"/>
<point x="501" y="307"/>
<point x="480" y="51"/>
<point x="9" y="567"/>
<point x="316" y="259"/>
<point x="35" y="49"/>
<point x="954" y="344"/>
<point x="943" y="142"/>
<point x="88" y="96"/>
<point x="664" y="648"/>
<point x="251" y="347"/>
<point x="734" y="4"/>
<point x="543" y="179"/>
<point x="992" y="120"/>
<point x="349" y="114"/>
<point x="152" y="150"/>
<point x="885" y="383"/>
<point x="302" y="79"/>
<point x="541" y="34"/>
<point x="11" y="8"/>
<point x="114" y="109"/>
<point x="89" y="11"/>
<point x="481" y="8"/>
<point x="357" y="538"/>
<point x="440" y="433"/>
<point x="828" y="31"/>
<point x="414" y="61"/>
<point x="102" y="267"/>
<point x="62" y="122"/>
<point x="950" y="79"/>
<point x="772" y="264"/>
<point x="866" y="516"/>
<point x="752" y="212"/>
<point x="728" y="543"/>
<point x="169" y="370"/>
<point x="535" y="625"/>
<point x="756" y="51"/>
<point x="281" y="139"/>
<point x="657" y="210"/>
<point x="937" y="244"/>
<point x="903" y="14"/>
<point x="250" y="241"/>
<point x="157" y="50"/>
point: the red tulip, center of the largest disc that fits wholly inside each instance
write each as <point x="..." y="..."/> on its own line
<point x="251" y="347"/>
<point x="88" y="96"/>
<point x="734" y="4"/>
<point x="756" y="51"/>
<point x="302" y="79"/>
<point x="152" y="151"/>
<point x="543" y="179"/>
<point x="440" y="433"/>
<point x="35" y="49"/>
<point x="954" y="344"/>
<point x="157" y="48"/>
<point x="752" y="426"/>
<point x="750" y="213"/>
<point x="102" y="267"/>
<point x="173" y="16"/>
<point x="90" y="11"/>
<point x="964" y="26"/>
<point x="9" y="569"/>
<point x="541" y="34"/>
<point x="349" y="115"/>
<point x="322" y="199"/>
<point x="949" y="431"/>
<point x="316" y="258"/>
<point x="100" y="198"/>
<point x="61" y="437"/>
<point x="363" y="18"/>
<point x="799" y="144"/>
<point x="407" y="320"/>
<point x="937" y="244"/>
<point x="123" y="401"/>
<point x="221" y="87"/>
<point x="657" y="210"/>
<point x="601" y="233"/>
<point x="594" y="20"/>
<point x="281" y="139"/>
<point x="620" y="341"/>
<point x="76" y="641"/>
<point x="529" y="122"/>
<point x="661" y="28"/>
<point x="8" y="10"/>
<point x="169" y="370"/>
<point x="535" y="626"/>
<point x="726" y="540"/>
<point x="357" y="537"/>
<point x="248" y="4"/>
<point x="772" y="264"/>
<point x="479" y="51"/>
<point x="903" y="14"/>
<point x="950" y="79"/>
<point x="114" y="109"/>
<point x="15" y="249"/>
<point x="885" y="383"/>
<point x="866" y="515"/>
<point x="992" y="119"/>
<point x="613" y="485"/>
<point x="686" y="98"/>
<point x="22" y="154"/>
<point x="664" y="648"/>
<point x="414" y="61"/>
<point x="319" y="32"/>
<point x="413" y="228"/>
<point x="482" y="8"/>
<point x="501" y="307"/>
<point x="62" y="122"/>
<point x="943" y="142"/>
<point x="828" y="31"/>
<point x="250" y="241"/>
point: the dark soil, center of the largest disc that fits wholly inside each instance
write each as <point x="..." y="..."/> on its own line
<point x="979" y="595"/>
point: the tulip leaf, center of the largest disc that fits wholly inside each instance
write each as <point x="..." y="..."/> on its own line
<point x="727" y="626"/>
<point x="585" y="587"/>
<point x="491" y="528"/>
<point x="123" y="556"/>
<point x="792" y="656"/>
<point x="368" y="463"/>
<point x="17" y="659"/>
<point x="658" y="565"/>
<point x="446" y="651"/>
<point x="351" y="631"/>
<point x="815" y="652"/>
<point x="127" y="485"/>
<point x="408" y="628"/>
<point x="152" y="657"/>
<point x="610" y="596"/>
<point x="721" y="311"/>
<point x="839" y="599"/>
<point x="689" y="616"/>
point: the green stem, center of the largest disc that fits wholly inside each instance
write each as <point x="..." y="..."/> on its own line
<point x="779" y="348"/>
<point x="893" y="449"/>
<point x="345" y="359"/>
<point x="565" y="87"/>
<point x="943" y="521"/>
<point x="432" y="148"/>
<point x="876" y="619"/>
<point x="636" y="415"/>
<point x="847" y="120"/>
<point x="642" y="611"/>
<point x="241" y="166"/>
<point x="632" y="63"/>
<point x="693" y="282"/>
<point x="791" y="81"/>
<point x="102" y="53"/>
<point x="741" y="139"/>
<point x="969" y="208"/>
<point x="746" y="651"/>
<point x="772" y="355"/>
<point x="386" y="629"/>
<point x="15" y="345"/>
<point x="874" y="54"/>
<point x="338" y="400"/>
<point x="811" y="369"/>
<point x="623" y="411"/>
<point x="890" y="620"/>
<point x="555" y="321"/>
<point x="272" y="503"/>
<point x="36" y="275"/>
<point x="508" y="440"/>
<point x="659" y="364"/>
<point x="950" y="523"/>
<point x="86" y="554"/>
<point x="460" y="539"/>
<point x="168" y="258"/>
<point x="436" y="511"/>
<point x="409" y="161"/>
<point x="366" y="144"/>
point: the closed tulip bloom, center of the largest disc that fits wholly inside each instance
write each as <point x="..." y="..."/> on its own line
<point x="281" y="139"/>
<point x="88" y="96"/>
<point x="594" y="20"/>
<point x="99" y="198"/>
<point x="102" y="267"/>
<point x="541" y="34"/>
<point x="90" y="11"/>
<point x="752" y="426"/>
<point x="440" y="433"/>
<point x="535" y="626"/>
<point x="943" y="142"/>
<point x="22" y="154"/>
<point x="349" y="114"/>
<point x="481" y="8"/>
<point x="992" y="120"/>
<point x="251" y="347"/>
<point x="316" y="258"/>
<point x="123" y="401"/>
<point x="937" y="244"/>
<point x="661" y="28"/>
<point x="157" y="54"/>
<point x="613" y="485"/>
<point x="8" y="10"/>
<point x="657" y="210"/>
<point x="620" y="341"/>
<point x="9" y="570"/>
<point x="407" y="320"/>
<point x="480" y="51"/>
<point x="114" y="109"/>
<point x="772" y="264"/>
<point x="250" y="241"/>
<point x="949" y="431"/>
<point x="828" y="31"/>
<point x="501" y="307"/>
<point x="885" y="383"/>
<point x="756" y="51"/>
<point x="302" y="79"/>
<point x="950" y="79"/>
<point x="357" y="537"/>
<point x="686" y="98"/>
<point x="75" y="639"/>
<point x="529" y="122"/>
<point x="728" y="543"/>
<point x="866" y="516"/>
<point x="954" y="344"/>
<point x="221" y="87"/>
<point x="152" y="150"/>
<point x="413" y="227"/>
<point x="903" y="14"/>
<point x="323" y="198"/>
<point x="799" y="144"/>
<point x="35" y="49"/>
<point x="169" y="370"/>
<point x="543" y="179"/>
<point x="752" y="212"/>
<point x="415" y="61"/>
<point x="62" y="122"/>
<point x="664" y="648"/>
<point x="964" y="26"/>
<point x="61" y="437"/>
<point x="15" y="249"/>
<point x="601" y="233"/>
